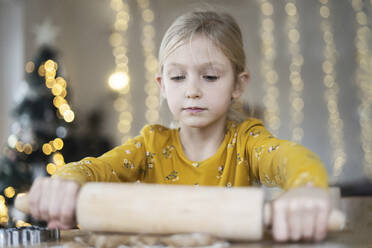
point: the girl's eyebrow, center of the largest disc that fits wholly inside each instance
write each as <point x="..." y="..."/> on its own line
<point x="206" y="64"/>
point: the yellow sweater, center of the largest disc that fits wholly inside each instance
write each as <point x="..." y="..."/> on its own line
<point x="247" y="155"/>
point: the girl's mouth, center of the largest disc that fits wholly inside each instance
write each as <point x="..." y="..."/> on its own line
<point x="194" y="109"/>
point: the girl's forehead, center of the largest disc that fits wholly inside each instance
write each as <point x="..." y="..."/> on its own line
<point x="199" y="51"/>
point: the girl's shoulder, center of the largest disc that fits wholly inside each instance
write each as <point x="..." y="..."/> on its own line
<point x="155" y="129"/>
<point x="245" y="125"/>
<point x="156" y="134"/>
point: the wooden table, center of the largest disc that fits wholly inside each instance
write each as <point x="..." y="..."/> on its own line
<point x="357" y="233"/>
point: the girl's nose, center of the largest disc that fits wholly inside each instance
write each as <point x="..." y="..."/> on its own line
<point x="193" y="89"/>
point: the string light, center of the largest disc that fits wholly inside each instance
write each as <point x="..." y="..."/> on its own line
<point x="119" y="81"/>
<point x="151" y="63"/>
<point x="51" y="168"/>
<point x="297" y="84"/>
<point x="335" y="123"/>
<point x="9" y="192"/>
<point x="30" y="67"/>
<point x="13" y="142"/>
<point x="363" y="80"/>
<point x="4" y="217"/>
<point x="58" y="88"/>
<point x="268" y="72"/>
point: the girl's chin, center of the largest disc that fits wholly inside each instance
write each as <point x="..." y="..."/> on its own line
<point x="196" y="123"/>
<point x="193" y="123"/>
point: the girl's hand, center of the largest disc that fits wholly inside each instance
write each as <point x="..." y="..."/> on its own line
<point x="54" y="201"/>
<point x="301" y="213"/>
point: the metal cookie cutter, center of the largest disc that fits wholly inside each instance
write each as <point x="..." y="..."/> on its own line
<point x="30" y="235"/>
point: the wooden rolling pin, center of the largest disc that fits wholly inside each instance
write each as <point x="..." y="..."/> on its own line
<point x="237" y="213"/>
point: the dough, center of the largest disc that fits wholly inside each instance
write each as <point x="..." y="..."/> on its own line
<point x="108" y="240"/>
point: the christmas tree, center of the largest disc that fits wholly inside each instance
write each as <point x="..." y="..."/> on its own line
<point x="44" y="134"/>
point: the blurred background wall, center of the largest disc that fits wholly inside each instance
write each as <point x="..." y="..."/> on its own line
<point x="307" y="60"/>
<point x="11" y="59"/>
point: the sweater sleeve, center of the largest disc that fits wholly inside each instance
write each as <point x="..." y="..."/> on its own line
<point x="283" y="163"/>
<point x="121" y="164"/>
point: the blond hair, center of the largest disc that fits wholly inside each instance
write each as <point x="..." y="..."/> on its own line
<point x="220" y="28"/>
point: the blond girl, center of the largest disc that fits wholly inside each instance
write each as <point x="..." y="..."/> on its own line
<point x="202" y="70"/>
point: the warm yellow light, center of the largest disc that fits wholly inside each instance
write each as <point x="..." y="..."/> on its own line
<point x="324" y="11"/>
<point x="58" y="159"/>
<point x="19" y="146"/>
<point x="126" y="115"/>
<point x="61" y="82"/>
<point x="41" y="71"/>
<point x="151" y="64"/>
<point x="50" y="74"/>
<point x="57" y="89"/>
<point x="21" y="223"/>
<point x="121" y="25"/>
<point x="118" y="81"/>
<point x="294" y="35"/>
<point x="361" y="18"/>
<point x="148" y="15"/>
<point x="9" y="192"/>
<point x="50" y="82"/>
<point x="12" y="141"/>
<point x="124" y="126"/>
<point x="58" y="143"/>
<point x="327" y="67"/>
<point x="30" y="67"/>
<point x="49" y="65"/>
<point x="63" y="108"/>
<point x="116" y="39"/>
<point x="2" y="200"/>
<point x="47" y="149"/>
<point x="51" y="168"/>
<point x="116" y="5"/>
<point x="63" y="93"/>
<point x="3" y="210"/>
<point x="69" y="115"/>
<point x="291" y="9"/>
<point x="58" y="101"/>
<point x="122" y="67"/>
<point x="27" y="149"/>
<point x="119" y="50"/>
<point x="4" y="218"/>
<point x="52" y="146"/>
<point x="267" y="9"/>
<point x="123" y="15"/>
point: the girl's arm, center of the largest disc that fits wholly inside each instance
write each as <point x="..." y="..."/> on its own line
<point x="54" y="199"/>
<point x="122" y="164"/>
<point x="302" y="211"/>
<point x="282" y="163"/>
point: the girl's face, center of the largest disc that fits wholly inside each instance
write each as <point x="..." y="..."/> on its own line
<point x="198" y="83"/>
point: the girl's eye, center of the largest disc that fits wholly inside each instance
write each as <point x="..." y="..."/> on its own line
<point x="211" y="78"/>
<point x="177" y="78"/>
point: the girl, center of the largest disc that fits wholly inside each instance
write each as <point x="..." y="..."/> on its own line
<point x="201" y="71"/>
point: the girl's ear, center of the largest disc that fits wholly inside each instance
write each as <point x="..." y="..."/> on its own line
<point x="242" y="81"/>
<point x="159" y="80"/>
